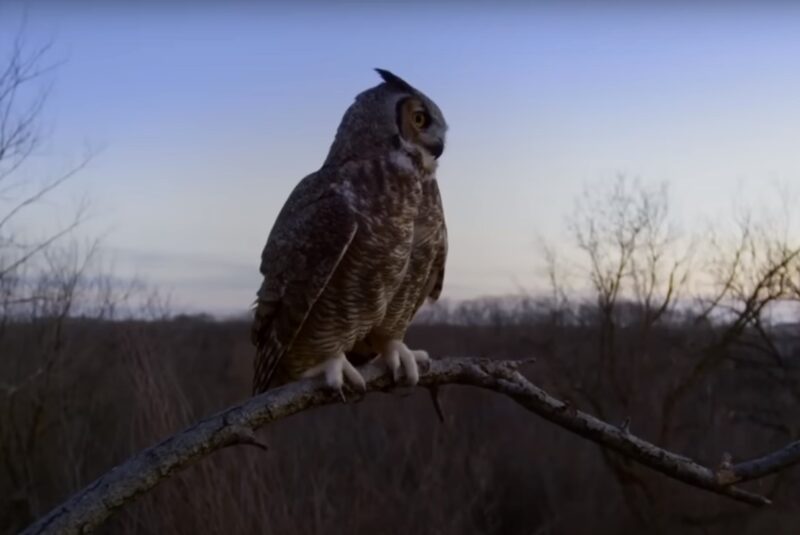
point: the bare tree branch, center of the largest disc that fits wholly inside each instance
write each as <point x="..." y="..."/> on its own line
<point x="88" y="508"/>
<point x="42" y="192"/>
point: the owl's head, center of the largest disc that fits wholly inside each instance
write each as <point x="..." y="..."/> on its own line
<point x="391" y="112"/>
<point x="418" y="119"/>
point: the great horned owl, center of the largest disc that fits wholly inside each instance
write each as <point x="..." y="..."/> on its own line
<point x="358" y="246"/>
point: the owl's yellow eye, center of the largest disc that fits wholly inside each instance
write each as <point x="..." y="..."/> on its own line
<point x="420" y="119"/>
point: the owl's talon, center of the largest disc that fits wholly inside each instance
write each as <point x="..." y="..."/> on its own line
<point x="409" y="365"/>
<point x="353" y="376"/>
<point x="392" y="360"/>
<point x="396" y="355"/>
<point x="335" y="370"/>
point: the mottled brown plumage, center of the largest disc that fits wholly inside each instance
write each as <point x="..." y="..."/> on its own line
<point x="358" y="246"/>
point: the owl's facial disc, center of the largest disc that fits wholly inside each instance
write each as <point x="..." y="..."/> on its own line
<point x="419" y="126"/>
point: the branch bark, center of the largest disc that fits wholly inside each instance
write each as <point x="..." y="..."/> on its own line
<point x="88" y="508"/>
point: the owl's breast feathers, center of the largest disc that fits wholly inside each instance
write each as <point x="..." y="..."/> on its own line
<point x="336" y="256"/>
<point x="425" y="272"/>
<point x="423" y="276"/>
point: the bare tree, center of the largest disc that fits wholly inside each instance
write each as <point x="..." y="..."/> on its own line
<point x="640" y="290"/>
<point x="628" y="247"/>
<point x="42" y="278"/>
<point x="750" y="274"/>
<point x="22" y="99"/>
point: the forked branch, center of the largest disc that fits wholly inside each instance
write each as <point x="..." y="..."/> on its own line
<point x="88" y="508"/>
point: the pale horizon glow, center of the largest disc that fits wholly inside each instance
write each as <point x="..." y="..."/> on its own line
<point x="206" y="118"/>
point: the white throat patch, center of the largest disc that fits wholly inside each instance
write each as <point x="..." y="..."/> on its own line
<point x="404" y="159"/>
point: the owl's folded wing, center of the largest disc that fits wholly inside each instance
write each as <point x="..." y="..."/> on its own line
<point x="303" y="251"/>
<point x="437" y="272"/>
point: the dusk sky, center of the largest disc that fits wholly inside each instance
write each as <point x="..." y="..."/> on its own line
<point x="204" y="118"/>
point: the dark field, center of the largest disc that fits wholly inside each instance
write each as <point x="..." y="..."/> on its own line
<point x="106" y="389"/>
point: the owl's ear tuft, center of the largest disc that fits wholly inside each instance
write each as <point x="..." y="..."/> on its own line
<point x="394" y="80"/>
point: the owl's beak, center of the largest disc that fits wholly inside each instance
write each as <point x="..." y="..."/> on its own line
<point x="436" y="149"/>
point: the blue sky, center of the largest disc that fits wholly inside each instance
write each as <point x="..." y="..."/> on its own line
<point x="206" y="117"/>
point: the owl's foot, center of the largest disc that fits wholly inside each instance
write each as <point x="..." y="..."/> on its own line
<point x="396" y="354"/>
<point x="335" y="370"/>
